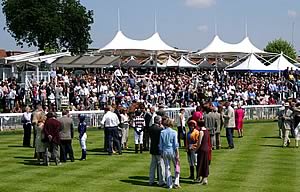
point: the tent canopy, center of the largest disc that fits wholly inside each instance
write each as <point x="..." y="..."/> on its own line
<point x="121" y="42"/>
<point x="87" y="61"/>
<point x="251" y="64"/>
<point x="218" y="46"/>
<point x="184" y="63"/>
<point x="281" y="64"/>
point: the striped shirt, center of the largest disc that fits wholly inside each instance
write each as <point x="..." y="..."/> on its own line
<point x="138" y="123"/>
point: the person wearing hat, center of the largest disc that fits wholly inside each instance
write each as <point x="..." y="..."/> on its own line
<point x="287" y="123"/>
<point x="280" y="120"/>
<point x="191" y="139"/>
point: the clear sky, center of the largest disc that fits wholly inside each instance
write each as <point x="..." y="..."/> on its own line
<point x="189" y="24"/>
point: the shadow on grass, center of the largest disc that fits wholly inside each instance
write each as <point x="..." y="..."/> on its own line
<point x="274" y="137"/>
<point x="276" y="146"/>
<point x="137" y="182"/>
<point x="17" y="146"/>
<point x="30" y="162"/>
<point x="22" y="157"/>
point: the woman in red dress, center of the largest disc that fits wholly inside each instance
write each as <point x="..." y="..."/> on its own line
<point x="239" y="120"/>
<point x="203" y="149"/>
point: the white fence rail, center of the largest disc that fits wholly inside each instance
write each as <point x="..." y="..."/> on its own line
<point x="13" y="120"/>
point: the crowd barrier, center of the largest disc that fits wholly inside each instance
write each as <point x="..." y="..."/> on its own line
<point x="11" y="121"/>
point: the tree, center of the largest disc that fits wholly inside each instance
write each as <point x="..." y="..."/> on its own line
<point x="50" y="24"/>
<point x="280" y="45"/>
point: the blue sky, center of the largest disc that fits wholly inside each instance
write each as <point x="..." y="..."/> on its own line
<point x="189" y="24"/>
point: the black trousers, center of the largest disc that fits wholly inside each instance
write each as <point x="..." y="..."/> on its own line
<point x="27" y="134"/>
<point x="113" y="138"/>
<point x="105" y="139"/>
<point x="65" y="149"/>
<point x="146" y="139"/>
<point x="181" y="133"/>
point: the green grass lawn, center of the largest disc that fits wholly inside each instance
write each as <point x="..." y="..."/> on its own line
<point x="257" y="163"/>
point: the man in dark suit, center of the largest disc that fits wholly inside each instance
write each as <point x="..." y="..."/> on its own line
<point x="66" y="136"/>
<point x="156" y="161"/>
<point x="52" y="127"/>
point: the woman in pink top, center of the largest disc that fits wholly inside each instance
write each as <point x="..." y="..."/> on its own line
<point x="239" y="117"/>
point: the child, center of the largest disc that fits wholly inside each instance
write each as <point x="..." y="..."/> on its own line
<point x="82" y="135"/>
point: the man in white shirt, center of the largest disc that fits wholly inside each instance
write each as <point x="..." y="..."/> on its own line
<point x="110" y="121"/>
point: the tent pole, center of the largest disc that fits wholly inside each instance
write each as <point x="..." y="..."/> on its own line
<point x="155" y="60"/>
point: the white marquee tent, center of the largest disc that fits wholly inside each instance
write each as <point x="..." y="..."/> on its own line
<point x="218" y="46"/>
<point x="184" y="63"/>
<point x="121" y="42"/>
<point x="281" y="64"/>
<point x="170" y="63"/>
<point x="251" y="64"/>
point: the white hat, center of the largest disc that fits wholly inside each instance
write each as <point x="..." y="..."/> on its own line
<point x="286" y="104"/>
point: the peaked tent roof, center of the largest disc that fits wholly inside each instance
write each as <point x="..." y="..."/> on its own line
<point x="218" y="46"/>
<point x="246" y="46"/>
<point x="121" y="42"/>
<point x="205" y="65"/>
<point x="170" y="62"/>
<point x="251" y="64"/>
<point x="184" y="63"/>
<point x="281" y="64"/>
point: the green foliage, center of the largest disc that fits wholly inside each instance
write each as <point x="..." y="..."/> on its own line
<point x="50" y="25"/>
<point x="258" y="163"/>
<point x="280" y="45"/>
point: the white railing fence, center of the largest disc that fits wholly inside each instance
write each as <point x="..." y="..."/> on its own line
<point x="12" y="121"/>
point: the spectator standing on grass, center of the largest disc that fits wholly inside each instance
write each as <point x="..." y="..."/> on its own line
<point x="125" y="127"/>
<point x="52" y="127"/>
<point x="181" y="133"/>
<point x="110" y="121"/>
<point x="82" y="127"/>
<point x="40" y="137"/>
<point x="287" y="123"/>
<point x="26" y="121"/>
<point x="192" y="137"/>
<point x="202" y="148"/>
<point x="297" y="124"/>
<point x="168" y="147"/>
<point x="229" y="123"/>
<point x="280" y="114"/>
<point x="157" y="162"/>
<point x="66" y="136"/>
<point x="219" y="124"/>
<point x="239" y="120"/>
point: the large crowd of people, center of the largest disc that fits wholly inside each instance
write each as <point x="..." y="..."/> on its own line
<point x="153" y="131"/>
<point x="92" y="91"/>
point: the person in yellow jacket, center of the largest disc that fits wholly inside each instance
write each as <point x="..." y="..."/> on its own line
<point x="191" y="140"/>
